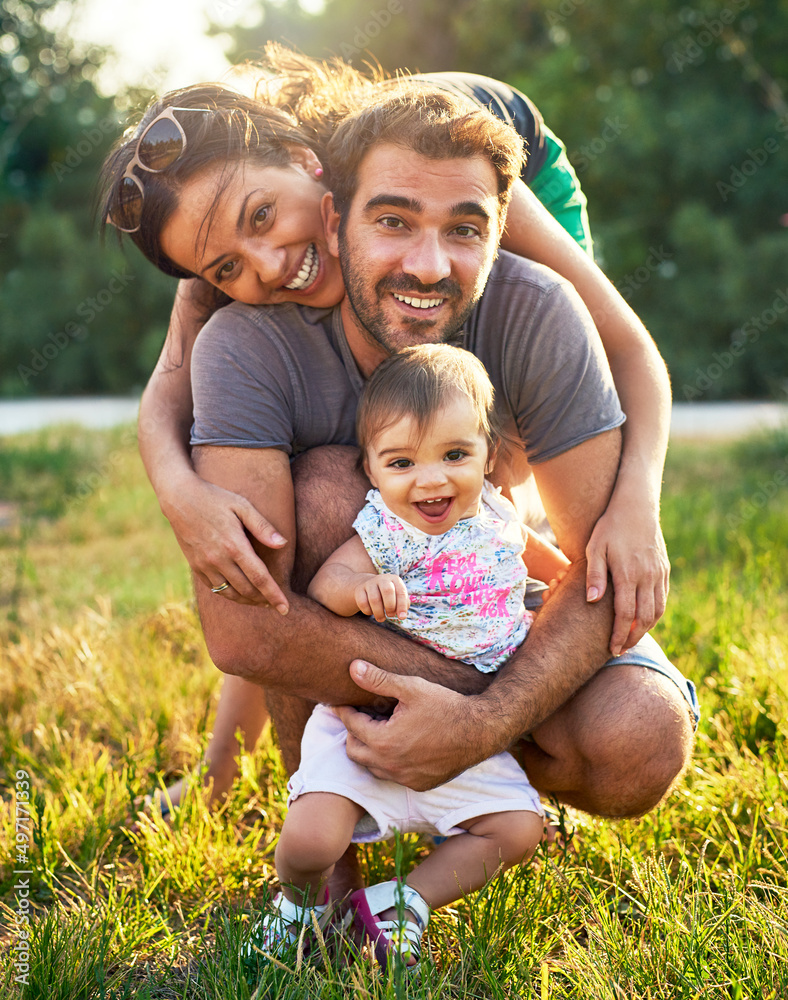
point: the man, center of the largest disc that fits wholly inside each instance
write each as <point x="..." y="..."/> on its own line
<point x="420" y="194"/>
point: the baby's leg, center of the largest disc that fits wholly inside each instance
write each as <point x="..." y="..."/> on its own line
<point x="316" y="833"/>
<point x="464" y="863"/>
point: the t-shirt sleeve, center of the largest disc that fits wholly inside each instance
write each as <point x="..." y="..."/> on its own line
<point x="241" y="385"/>
<point x="552" y="366"/>
<point x="568" y="395"/>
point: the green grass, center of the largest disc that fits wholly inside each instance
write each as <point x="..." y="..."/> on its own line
<point x="107" y="691"/>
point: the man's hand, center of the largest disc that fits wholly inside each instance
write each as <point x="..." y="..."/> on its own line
<point x="411" y="748"/>
<point x="382" y="595"/>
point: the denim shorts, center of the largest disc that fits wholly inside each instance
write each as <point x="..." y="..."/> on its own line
<point x="647" y="653"/>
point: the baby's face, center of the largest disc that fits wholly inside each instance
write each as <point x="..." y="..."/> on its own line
<point x="437" y="481"/>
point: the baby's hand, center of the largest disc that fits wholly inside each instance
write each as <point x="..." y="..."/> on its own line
<point x="383" y="596"/>
<point x="553" y="586"/>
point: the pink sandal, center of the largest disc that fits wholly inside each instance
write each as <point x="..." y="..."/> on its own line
<point x="390" y="937"/>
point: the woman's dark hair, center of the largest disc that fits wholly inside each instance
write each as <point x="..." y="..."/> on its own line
<point x="296" y="101"/>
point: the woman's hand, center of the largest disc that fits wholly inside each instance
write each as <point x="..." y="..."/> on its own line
<point x="209" y="524"/>
<point x="627" y="543"/>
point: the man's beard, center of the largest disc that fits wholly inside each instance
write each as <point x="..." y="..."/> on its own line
<point x="410" y="331"/>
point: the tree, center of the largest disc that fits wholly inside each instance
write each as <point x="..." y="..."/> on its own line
<point x="73" y="317"/>
<point x="675" y="119"/>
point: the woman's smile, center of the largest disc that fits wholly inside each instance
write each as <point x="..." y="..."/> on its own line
<point x="257" y="236"/>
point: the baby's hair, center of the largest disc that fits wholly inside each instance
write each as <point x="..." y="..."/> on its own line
<point x="417" y="382"/>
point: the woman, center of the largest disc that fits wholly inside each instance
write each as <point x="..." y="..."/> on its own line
<point x="160" y="187"/>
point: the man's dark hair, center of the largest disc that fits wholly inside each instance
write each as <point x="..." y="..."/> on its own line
<point x="432" y="123"/>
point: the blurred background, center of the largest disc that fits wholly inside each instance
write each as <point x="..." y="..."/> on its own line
<point x="675" y="117"/>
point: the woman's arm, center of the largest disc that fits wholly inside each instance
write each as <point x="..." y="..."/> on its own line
<point x="208" y="521"/>
<point x="544" y="561"/>
<point x="627" y="540"/>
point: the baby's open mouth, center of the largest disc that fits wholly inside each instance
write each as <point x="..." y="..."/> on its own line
<point x="434" y="510"/>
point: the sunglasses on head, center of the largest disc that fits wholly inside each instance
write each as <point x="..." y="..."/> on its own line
<point x="159" y="146"/>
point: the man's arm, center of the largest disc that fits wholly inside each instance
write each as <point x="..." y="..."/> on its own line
<point x="565" y="647"/>
<point x="568" y="641"/>
<point x="308" y="651"/>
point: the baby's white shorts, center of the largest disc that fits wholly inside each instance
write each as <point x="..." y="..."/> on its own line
<point x="496" y="785"/>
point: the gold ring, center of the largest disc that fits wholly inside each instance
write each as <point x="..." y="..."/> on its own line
<point x="220" y="588"/>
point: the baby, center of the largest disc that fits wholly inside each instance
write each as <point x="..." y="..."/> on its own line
<point x="438" y="555"/>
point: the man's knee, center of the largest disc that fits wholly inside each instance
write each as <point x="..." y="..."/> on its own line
<point x="329" y="492"/>
<point x="230" y="654"/>
<point x="641" y="745"/>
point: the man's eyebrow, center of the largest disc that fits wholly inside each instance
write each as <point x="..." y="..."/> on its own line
<point x="417" y="207"/>
<point x="470" y="208"/>
<point x="395" y="201"/>
<point x="239" y="223"/>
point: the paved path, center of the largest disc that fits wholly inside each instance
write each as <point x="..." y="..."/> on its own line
<point x="705" y="421"/>
<point x="720" y="421"/>
<point x="89" y="411"/>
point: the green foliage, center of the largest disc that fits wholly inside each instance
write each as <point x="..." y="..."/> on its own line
<point x="74" y="317"/>
<point x="106" y="697"/>
<point x="676" y="121"/>
<point x="674" y="116"/>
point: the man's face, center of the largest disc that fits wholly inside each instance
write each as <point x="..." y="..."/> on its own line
<point x="416" y="247"/>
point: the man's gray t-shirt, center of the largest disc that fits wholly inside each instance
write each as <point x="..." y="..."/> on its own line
<point x="284" y="377"/>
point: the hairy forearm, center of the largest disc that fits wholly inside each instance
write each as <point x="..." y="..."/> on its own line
<point x="308" y="651"/>
<point x="565" y="647"/>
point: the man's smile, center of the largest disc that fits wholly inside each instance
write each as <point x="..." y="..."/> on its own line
<point x="418" y="303"/>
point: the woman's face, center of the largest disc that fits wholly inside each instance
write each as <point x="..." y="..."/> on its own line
<point x="262" y="242"/>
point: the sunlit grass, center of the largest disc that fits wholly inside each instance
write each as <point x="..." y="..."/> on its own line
<point x="107" y="692"/>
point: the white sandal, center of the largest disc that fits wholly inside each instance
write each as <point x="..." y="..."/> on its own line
<point x="390" y="937"/>
<point x="280" y="929"/>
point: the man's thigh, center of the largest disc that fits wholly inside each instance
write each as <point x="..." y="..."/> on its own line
<point x="330" y="489"/>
